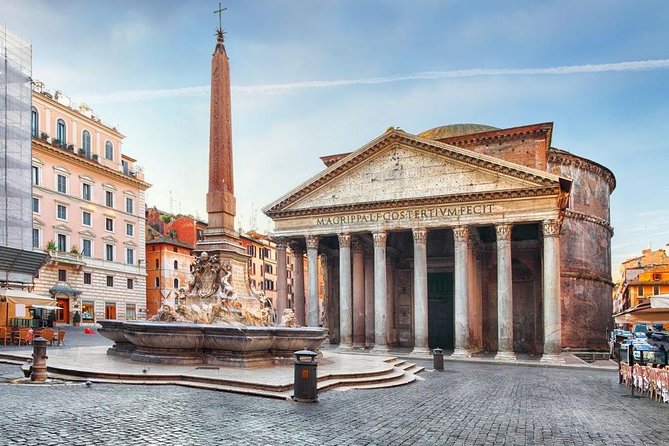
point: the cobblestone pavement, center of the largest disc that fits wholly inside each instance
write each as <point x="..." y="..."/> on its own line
<point x="467" y="404"/>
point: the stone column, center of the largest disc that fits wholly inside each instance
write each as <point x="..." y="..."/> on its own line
<point x="504" y="295"/>
<point x="298" y="252"/>
<point x="380" y="294"/>
<point x="345" y="303"/>
<point x="420" y="291"/>
<point x="358" y="294"/>
<point x="369" y="298"/>
<point x="313" y="309"/>
<point x="461" y="236"/>
<point x="281" y="278"/>
<point x="551" y="292"/>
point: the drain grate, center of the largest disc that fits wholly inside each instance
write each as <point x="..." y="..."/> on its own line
<point x="207" y="367"/>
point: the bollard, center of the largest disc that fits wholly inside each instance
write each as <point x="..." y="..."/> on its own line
<point x="305" y="388"/>
<point x="39" y="360"/>
<point x="438" y="357"/>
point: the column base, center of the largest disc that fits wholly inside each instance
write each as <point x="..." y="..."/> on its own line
<point x="505" y="356"/>
<point x="380" y="349"/>
<point x="345" y="348"/>
<point x="548" y="358"/>
<point x="421" y="351"/>
<point x="461" y="353"/>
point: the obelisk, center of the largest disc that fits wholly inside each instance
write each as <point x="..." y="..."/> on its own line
<point x="220" y="237"/>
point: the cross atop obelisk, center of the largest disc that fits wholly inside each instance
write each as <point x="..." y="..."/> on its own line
<point x="219" y="30"/>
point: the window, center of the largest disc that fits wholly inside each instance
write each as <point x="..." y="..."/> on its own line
<point x="109" y="199"/>
<point x="176" y="284"/>
<point x="61" y="212"/>
<point x="157" y="282"/>
<point x="200" y="234"/>
<point x="62" y="275"/>
<point x="86" y="248"/>
<point x="87" y="313"/>
<point x="657" y="276"/>
<point x="254" y="269"/>
<point x="109" y="151"/>
<point x="36" y="175"/>
<point x="61" y="242"/>
<point x="36" y="238"/>
<point x="176" y="265"/>
<point x="61" y="183"/>
<point x="110" y="281"/>
<point x="131" y="284"/>
<point x="86" y="191"/>
<point x="36" y="205"/>
<point x="34" y="123"/>
<point x="656" y="290"/>
<point x="109" y="252"/>
<point x="60" y="131"/>
<point x="86" y="218"/>
<point x="640" y="290"/>
<point x="87" y="279"/>
<point x="86" y="143"/>
<point x="126" y="168"/>
<point x="129" y="229"/>
<point x="269" y="269"/>
<point x="129" y="205"/>
<point x="130" y="256"/>
<point x="269" y="284"/>
<point x="109" y="224"/>
<point x="157" y="263"/>
<point x="131" y="311"/>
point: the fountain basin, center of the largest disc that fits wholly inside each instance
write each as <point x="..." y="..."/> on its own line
<point x="185" y="343"/>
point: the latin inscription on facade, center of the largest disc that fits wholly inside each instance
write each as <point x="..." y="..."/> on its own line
<point x="407" y="214"/>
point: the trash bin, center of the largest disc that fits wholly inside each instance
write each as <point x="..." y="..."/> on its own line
<point x="305" y="388"/>
<point x="438" y="356"/>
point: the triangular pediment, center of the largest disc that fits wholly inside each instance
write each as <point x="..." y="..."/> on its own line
<point x="398" y="166"/>
<point x="87" y="233"/>
<point x="62" y="227"/>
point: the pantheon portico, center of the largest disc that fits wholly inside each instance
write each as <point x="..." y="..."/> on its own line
<point x="451" y="238"/>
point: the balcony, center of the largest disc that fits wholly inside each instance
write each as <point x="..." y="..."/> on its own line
<point x="69" y="258"/>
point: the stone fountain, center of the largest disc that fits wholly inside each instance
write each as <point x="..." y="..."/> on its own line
<point x="211" y="324"/>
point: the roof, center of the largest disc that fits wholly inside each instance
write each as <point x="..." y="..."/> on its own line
<point x="451" y="130"/>
<point x="168" y="241"/>
<point x="64" y="288"/>
<point x="21" y="261"/>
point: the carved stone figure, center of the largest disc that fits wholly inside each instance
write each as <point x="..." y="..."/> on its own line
<point x="288" y="318"/>
<point x="205" y="277"/>
<point x="227" y="290"/>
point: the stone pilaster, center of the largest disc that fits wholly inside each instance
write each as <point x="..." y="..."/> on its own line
<point x="551" y="292"/>
<point x="504" y="295"/>
<point x="313" y="309"/>
<point x="420" y="291"/>
<point x="345" y="296"/>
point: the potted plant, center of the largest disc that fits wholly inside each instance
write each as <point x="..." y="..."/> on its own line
<point x="51" y="246"/>
<point x="44" y="136"/>
<point x="51" y="319"/>
<point x="74" y="249"/>
<point x="76" y="319"/>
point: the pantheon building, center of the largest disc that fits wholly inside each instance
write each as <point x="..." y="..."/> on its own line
<point x="465" y="237"/>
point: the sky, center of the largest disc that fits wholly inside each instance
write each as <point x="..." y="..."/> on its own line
<point x="315" y="77"/>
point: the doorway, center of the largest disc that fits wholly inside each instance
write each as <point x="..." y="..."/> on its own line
<point x="110" y="310"/>
<point x="63" y="314"/>
<point x="441" y="320"/>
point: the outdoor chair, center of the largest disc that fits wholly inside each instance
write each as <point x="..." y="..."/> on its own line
<point x="59" y="337"/>
<point x="23" y="336"/>
<point x="48" y="334"/>
<point x="5" y="334"/>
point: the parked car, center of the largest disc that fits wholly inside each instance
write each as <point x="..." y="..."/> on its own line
<point x="640" y="335"/>
<point x="640" y="345"/>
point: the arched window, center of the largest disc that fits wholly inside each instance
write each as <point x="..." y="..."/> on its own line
<point x="86" y="143"/>
<point x="157" y="263"/>
<point x="109" y="150"/>
<point x="34" y="122"/>
<point x="157" y="282"/>
<point x="176" y="284"/>
<point x="176" y="265"/>
<point x="60" y="131"/>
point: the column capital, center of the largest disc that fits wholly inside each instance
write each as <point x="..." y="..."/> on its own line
<point x="356" y="245"/>
<point x="280" y="242"/>
<point x="344" y="240"/>
<point x="312" y="241"/>
<point x="461" y="233"/>
<point x="380" y="239"/>
<point x="503" y="231"/>
<point x="419" y="235"/>
<point x="550" y="228"/>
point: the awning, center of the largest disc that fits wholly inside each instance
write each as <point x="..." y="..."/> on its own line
<point x="46" y="307"/>
<point x="25" y="298"/>
<point x="653" y="311"/>
<point x="21" y="262"/>
<point x="64" y="288"/>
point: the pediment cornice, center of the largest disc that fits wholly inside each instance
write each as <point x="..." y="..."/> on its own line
<point x="535" y="179"/>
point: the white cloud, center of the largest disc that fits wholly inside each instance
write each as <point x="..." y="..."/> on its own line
<point x="290" y="87"/>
